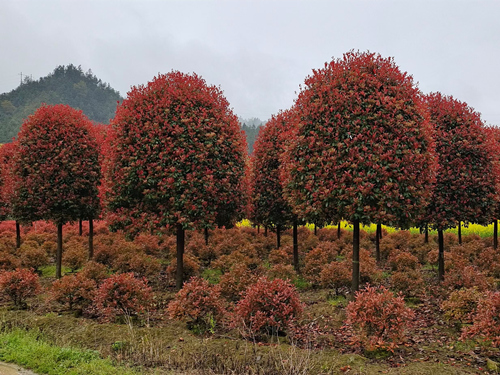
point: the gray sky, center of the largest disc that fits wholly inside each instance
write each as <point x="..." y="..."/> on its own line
<point x="258" y="52"/>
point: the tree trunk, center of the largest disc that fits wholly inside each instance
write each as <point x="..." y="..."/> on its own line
<point x="459" y="232"/>
<point x="91" y="238"/>
<point x="338" y="231"/>
<point x="315" y="230"/>
<point x="426" y="234"/>
<point x="180" y="257"/>
<point x="355" y="257"/>
<point x="378" y="236"/>
<point x="80" y="227"/>
<point x="18" y="235"/>
<point x="441" y="255"/>
<point x="206" y="236"/>
<point x="265" y="231"/>
<point x="258" y="229"/>
<point x="278" y="236"/>
<point x="295" y="248"/>
<point x="495" y="234"/>
<point x="59" y="250"/>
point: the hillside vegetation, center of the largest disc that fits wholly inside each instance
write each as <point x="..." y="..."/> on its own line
<point x="65" y="85"/>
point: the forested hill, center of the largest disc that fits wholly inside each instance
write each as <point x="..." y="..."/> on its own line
<point x="67" y="85"/>
<point x="251" y="128"/>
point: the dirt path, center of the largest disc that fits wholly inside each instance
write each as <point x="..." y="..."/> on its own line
<point x="11" y="369"/>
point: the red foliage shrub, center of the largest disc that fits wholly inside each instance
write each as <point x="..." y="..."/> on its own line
<point x="403" y="261"/>
<point x="267" y="307"/>
<point x="237" y="280"/>
<point x="199" y="302"/>
<point x="316" y="259"/>
<point x="409" y="282"/>
<point x="489" y="261"/>
<point x="94" y="271"/>
<point x="19" y="285"/>
<point x="422" y="251"/>
<point x="336" y="275"/>
<point x="378" y="318"/>
<point x="75" y="255"/>
<point x="283" y="255"/>
<point x="32" y="255"/>
<point x="148" y="244"/>
<point x="282" y="271"/>
<point x="461" y="305"/>
<point x="8" y="261"/>
<point x="139" y="263"/>
<point x="191" y="267"/>
<point x="76" y="291"/>
<point x="50" y="247"/>
<point x="467" y="277"/>
<point x="122" y="295"/>
<point x="485" y="322"/>
<point x="327" y="234"/>
<point x="8" y="242"/>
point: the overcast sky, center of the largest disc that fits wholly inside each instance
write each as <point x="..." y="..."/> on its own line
<point x="258" y="52"/>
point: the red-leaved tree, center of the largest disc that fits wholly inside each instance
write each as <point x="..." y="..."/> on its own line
<point x="56" y="169"/>
<point x="466" y="188"/>
<point x="7" y="186"/>
<point x="176" y="158"/>
<point x="362" y="149"/>
<point x="270" y="207"/>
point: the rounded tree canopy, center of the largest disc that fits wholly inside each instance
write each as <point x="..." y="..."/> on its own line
<point x="363" y="148"/>
<point x="269" y="205"/>
<point x="467" y="176"/>
<point x="56" y="167"/>
<point x="176" y="156"/>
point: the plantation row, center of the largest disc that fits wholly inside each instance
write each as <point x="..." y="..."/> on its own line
<point x="361" y="143"/>
<point x="241" y="285"/>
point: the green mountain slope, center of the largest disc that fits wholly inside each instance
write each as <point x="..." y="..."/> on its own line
<point x="66" y="85"/>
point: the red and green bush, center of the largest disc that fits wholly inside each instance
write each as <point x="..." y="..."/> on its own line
<point x="198" y="302"/>
<point x="267" y="306"/>
<point x="75" y="291"/>
<point x="485" y="322"/>
<point x="122" y="295"/>
<point x="19" y="285"/>
<point x="461" y="305"/>
<point x="378" y="318"/>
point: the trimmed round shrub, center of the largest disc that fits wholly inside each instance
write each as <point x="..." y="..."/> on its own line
<point x="122" y="295"/>
<point x="19" y="285"/>
<point x="336" y="275"/>
<point x="268" y="306"/>
<point x="75" y="291"/>
<point x="199" y="303"/>
<point x="94" y="271"/>
<point x="461" y="305"/>
<point x="378" y="318"/>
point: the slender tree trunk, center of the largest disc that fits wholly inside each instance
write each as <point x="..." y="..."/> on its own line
<point x="459" y="232"/>
<point x="421" y="230"/>
<point x="355" y="257"/>
<point x="426" y="240"/>
<point x="59" y="250"/>
<point x="258" y="229"/>
<point x="441" y="255"/>
<point x="80" y="227"/>
<point x="278" y="236"/>
<point x="338" y="231"/>
<point x="206" y="236"/>
<point x="495" y="234"/>
<point x="315" y="230"/>
<point x="295" y="248"/>
<point x="180" y="257"/>
<point x="378" y="236"/>
<point x="18" y="235"/>
<point x="91" y="238"/>
<point x="265" y="231"/>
